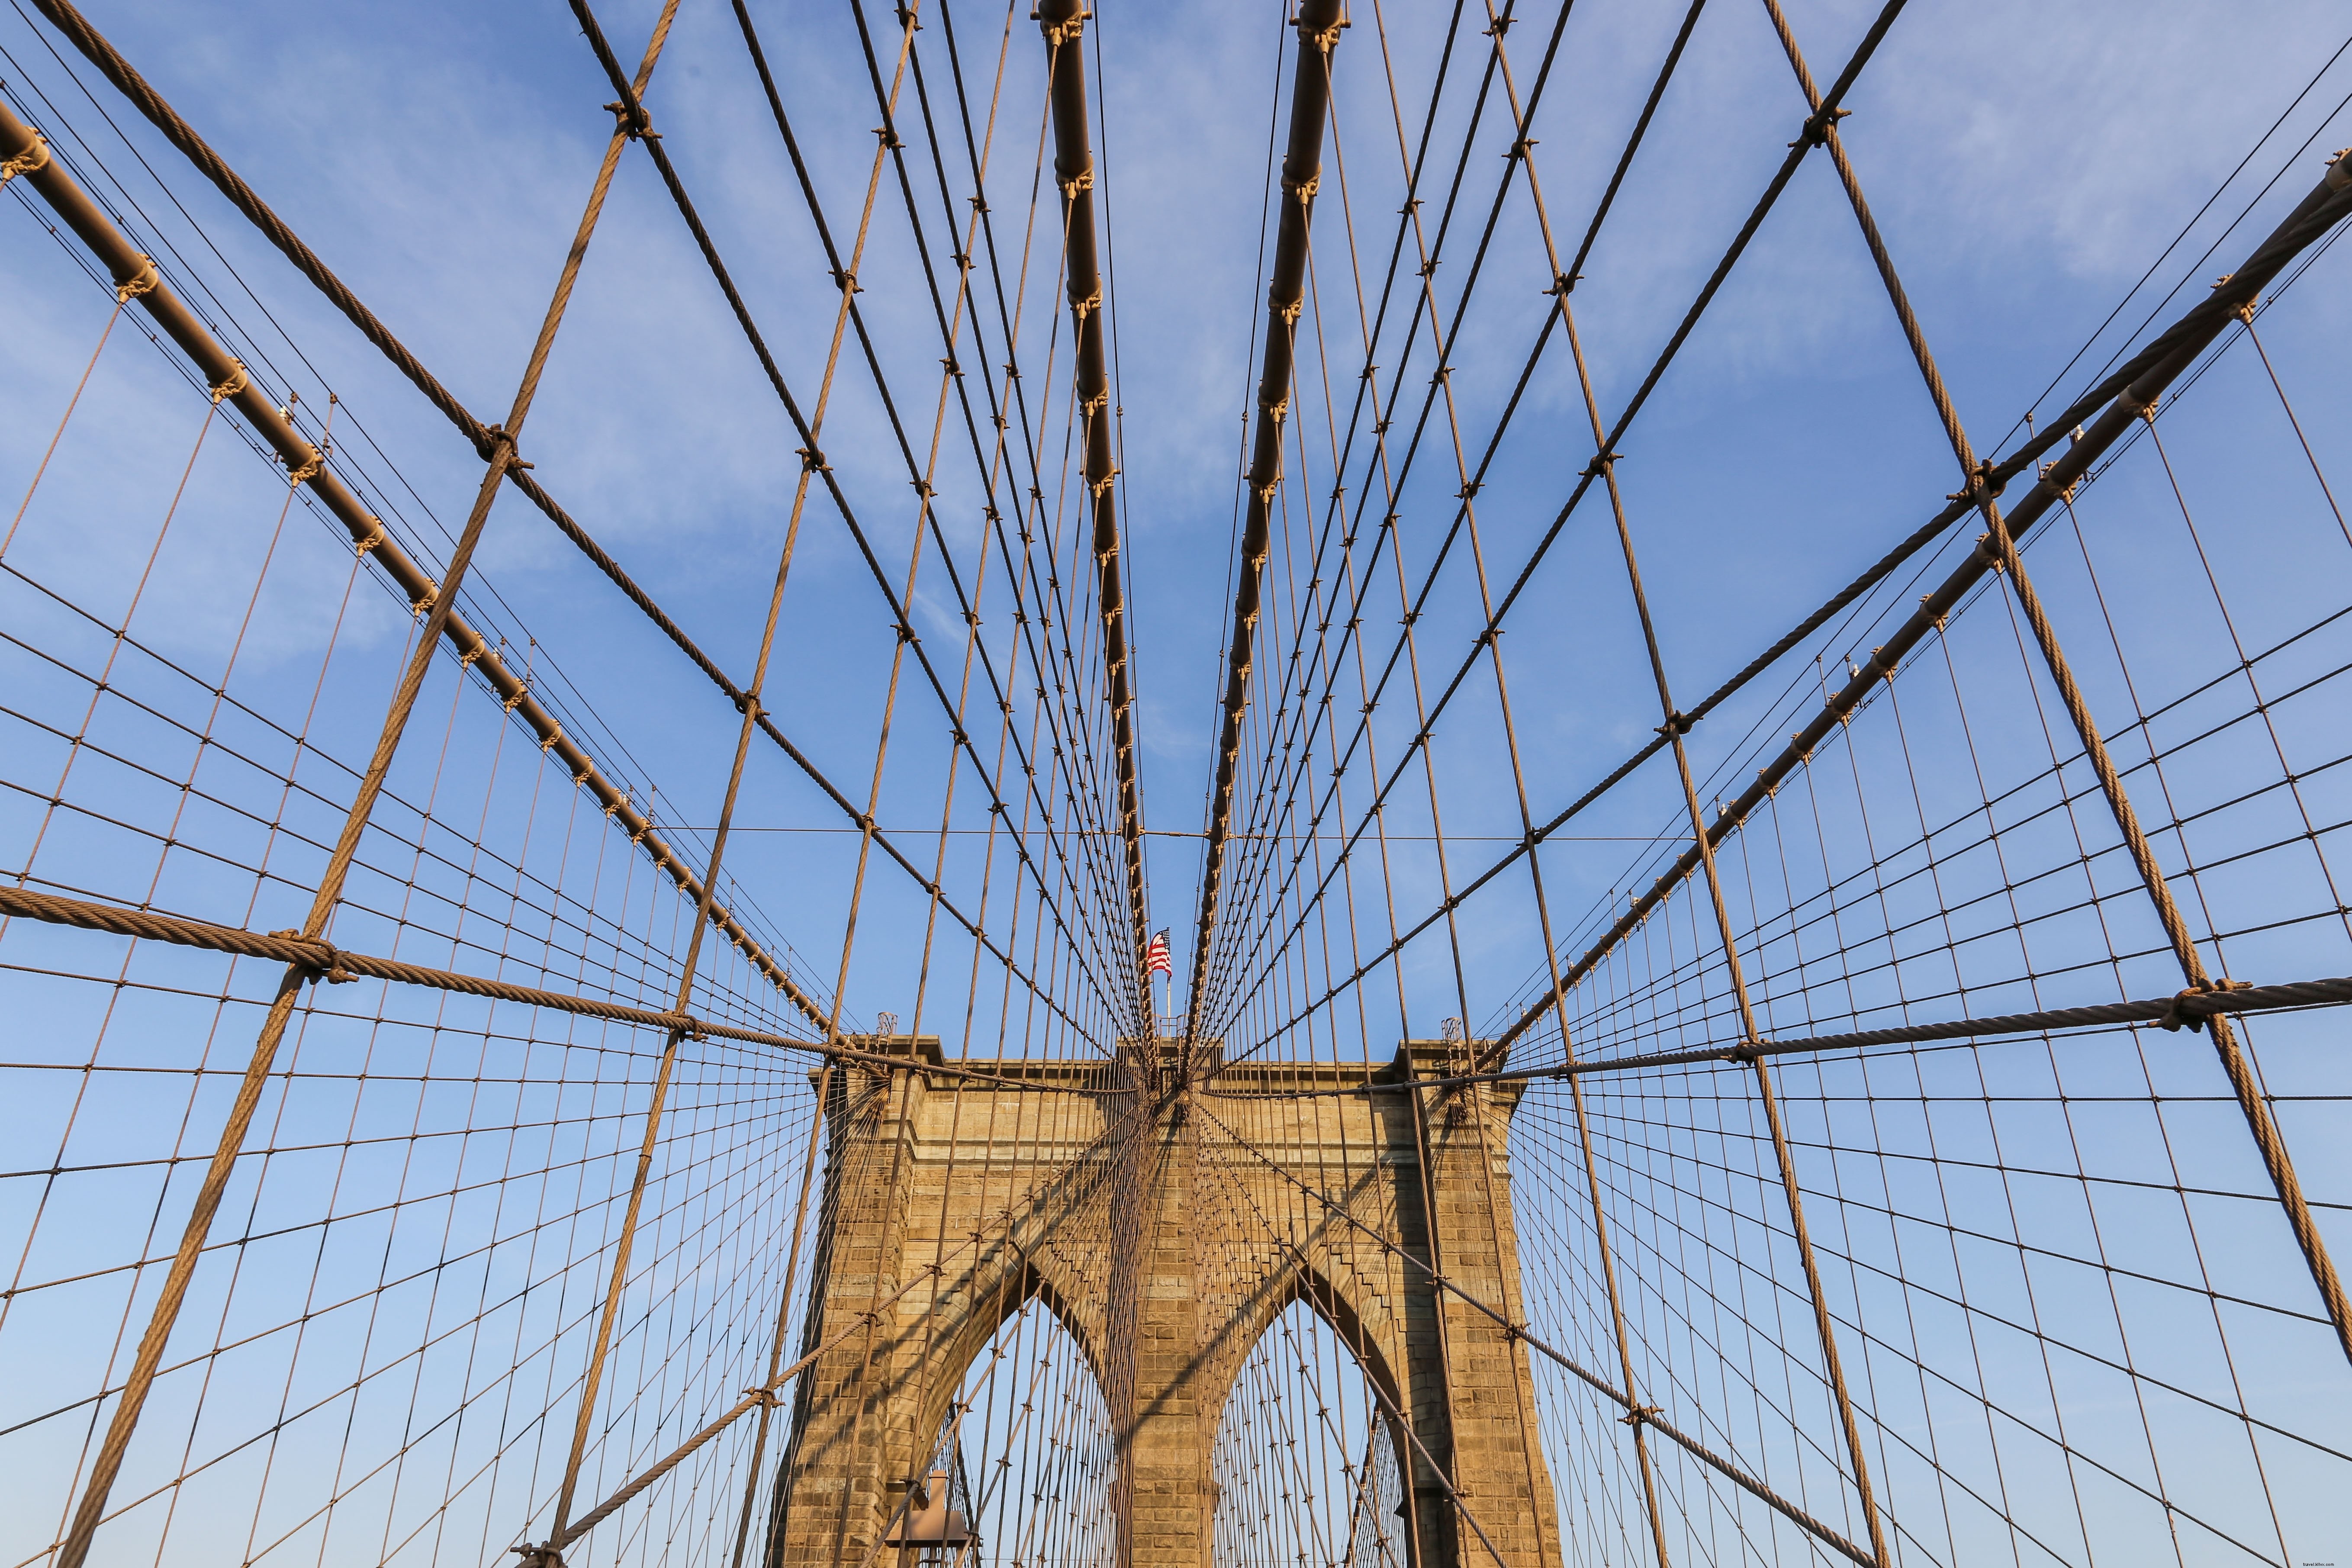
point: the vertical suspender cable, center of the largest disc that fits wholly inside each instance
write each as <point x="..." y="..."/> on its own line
<point x="1319" y="27"/>
<point x="1064" y="24"/>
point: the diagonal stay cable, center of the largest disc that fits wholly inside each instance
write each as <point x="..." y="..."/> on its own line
<point x="1424" y="306"/>
<point x="992" y="457"/>
<point x="126" y="79"/>
<point x="1056" y="712"/>
<point x="1352" y="621"/>
<point x="845" y="278"/>
<point x="1052" y="1186"/>
<point x="1812" y="135"/>
<point x="1647" y="1415"/>
<point x="2106" y="414"/>
<point x="1319" y="35"/>
<point x="632" y="111"/>
<point x="1439" y="382"/>
<point x="1074" y="170"/>
<point x="137" y="273"/>
<point x="894" y="147"/>
<point x="1689" y="323"/>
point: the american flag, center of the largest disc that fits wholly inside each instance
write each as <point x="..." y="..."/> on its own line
<point x="1155" y="957"/>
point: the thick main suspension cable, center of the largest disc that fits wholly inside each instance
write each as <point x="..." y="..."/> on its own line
<point x="2143" y="382"/>
<point x="1302" y="169"/>
<point x="1396" y="657"/>
<point x="1994" y="476"/>
<point x="1064" y="22"/>
<point x="135" y="276"/>
<point x="632" y="112"/>
<point x="126" y="78"/>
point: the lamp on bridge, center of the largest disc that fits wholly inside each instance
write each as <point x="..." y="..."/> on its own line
<point x="933" y="1533"/>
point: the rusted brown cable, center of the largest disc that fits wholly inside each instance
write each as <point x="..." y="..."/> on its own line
<point x="2152" y="371"/>
<point x="2188" y="1009"/>
<point x="631" y="111"/>
<point x="1604" y="1242"/>
<point x="127" y="266"/>
<point x="1647" y="1415"/>
<point x="755" y="1398"/>
<point x="439" y="610"/>
<point x="126" y="78"/>
<point x="1063" y="22"/>
<point x="1318" y="25"/>
<point x="2002" y="554"/>
<point x="1862" y="53"/>
<point x="326" y="961"/>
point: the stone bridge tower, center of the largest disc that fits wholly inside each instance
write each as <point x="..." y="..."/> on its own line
<point x="1167" y="1222"/>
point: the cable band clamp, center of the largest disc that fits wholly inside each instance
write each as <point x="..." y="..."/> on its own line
<point x="31" y="161"/>
<point x="635" y="123"/>
<point x="143" y="281"/>
<point x="326" y="964"/>
<point x="1818" y="126"/>
<point x="2176" y="1017"/>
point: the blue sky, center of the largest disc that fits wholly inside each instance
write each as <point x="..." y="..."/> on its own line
<point x="2027" y="164"/>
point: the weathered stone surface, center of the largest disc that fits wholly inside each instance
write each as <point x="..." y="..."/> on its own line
<point x="1167" y="1226"/>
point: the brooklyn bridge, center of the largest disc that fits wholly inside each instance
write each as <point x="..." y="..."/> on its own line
<point x="1276" y="784"/>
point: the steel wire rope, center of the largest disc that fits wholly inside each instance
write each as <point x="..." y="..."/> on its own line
<point x="1266" y="473"/>
<point x="964" y="252"/>
<point x="2305" y="1439"/>
<point x="2198" y="321"/>
<point x="961" y="255"/>
<point x="222" y="321"/>
<point x="1521" y="115"/>
<point x="2205" y="258"/>
<point x="1498" y="27"/>
<point x="91" y="1506"/>
<point x="982" y="208"/>
<point x="1076" y="171"/>
<point x="1339" y="164"/>
<point x="425" y="1273"/>
<point x="1119" y="405"/>
<point x="1439" y="1283"/>
<point x="1641" y="395"/>
<point x="2260" y="1125"/>
<point x="612" y="1301"/>
<point x="2066" y="799"/>
<point x="863" y="1324"/>
<point x="963" y="258"/>
<point x="1832" y="1364"/>
<point x="111" y="63"/>
<point x="1266" y="470"/>
<point x="95" y="229"/>
<point x="48" y="452"/>
<point x="892" y="145"/>
<point x="242" y="196"/>
<point x="1381" y="426"/>
<point x="1878" y="572"/>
